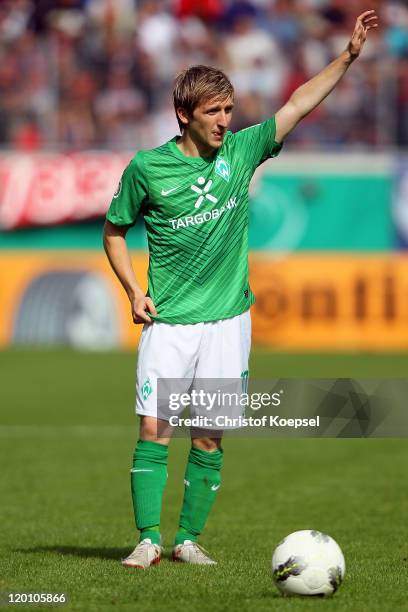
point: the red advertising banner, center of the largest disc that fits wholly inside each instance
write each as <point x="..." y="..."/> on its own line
<point x="53" y="188"/>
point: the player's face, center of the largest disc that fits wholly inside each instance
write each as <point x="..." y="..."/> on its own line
<point x="210" y="122"/>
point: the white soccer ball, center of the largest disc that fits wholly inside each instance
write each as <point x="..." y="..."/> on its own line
<point x="308" y="562"/>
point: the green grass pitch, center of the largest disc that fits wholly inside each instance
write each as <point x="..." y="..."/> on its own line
<point x="67" y="432"/>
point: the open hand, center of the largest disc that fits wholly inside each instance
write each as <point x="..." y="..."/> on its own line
<point x="365" y="22"/>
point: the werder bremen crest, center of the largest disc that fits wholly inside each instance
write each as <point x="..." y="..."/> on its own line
<point x="222" y="168"/>
<point x="146" y="389"/>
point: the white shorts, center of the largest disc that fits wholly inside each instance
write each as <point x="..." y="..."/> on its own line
<point x="211" y="350"/>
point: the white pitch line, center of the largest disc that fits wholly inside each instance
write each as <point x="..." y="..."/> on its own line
<point x="17" y="430"/>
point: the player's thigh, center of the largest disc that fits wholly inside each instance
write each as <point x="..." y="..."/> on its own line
<point x="222" y="373"/>
<point x="166" y="353"/>
<point x="225" y="349"/>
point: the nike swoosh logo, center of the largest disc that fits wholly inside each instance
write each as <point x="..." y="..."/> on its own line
<point x="133" y="470"/>
<point x="215" y="487"/>
<point x="166" y="192"/>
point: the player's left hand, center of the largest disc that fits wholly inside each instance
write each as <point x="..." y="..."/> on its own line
<point x="365" y="22"/>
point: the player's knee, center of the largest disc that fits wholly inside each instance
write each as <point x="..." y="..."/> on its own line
<point x="154" y="430"/>
<point x="206" y="444"/>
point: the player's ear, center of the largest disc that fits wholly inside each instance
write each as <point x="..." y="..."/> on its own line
<point x="183" y="116"/>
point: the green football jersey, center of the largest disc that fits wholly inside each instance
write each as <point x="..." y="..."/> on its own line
<point x="196" y="215"/>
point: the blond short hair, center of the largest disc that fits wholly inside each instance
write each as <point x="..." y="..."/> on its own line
<point x="199" y="84"/>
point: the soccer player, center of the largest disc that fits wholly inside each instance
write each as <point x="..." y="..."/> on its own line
<point x="193" y="194"/>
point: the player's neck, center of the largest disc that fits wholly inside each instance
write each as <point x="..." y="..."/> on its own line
<point x="192" y="148"/>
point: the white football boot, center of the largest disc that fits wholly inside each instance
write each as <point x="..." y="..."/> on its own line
<point x="144" y="555"/>
<point x="191" y="552"/>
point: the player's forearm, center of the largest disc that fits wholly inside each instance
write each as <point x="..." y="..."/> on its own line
<point x="119" y="259"/>
<point x="310" y="94"/>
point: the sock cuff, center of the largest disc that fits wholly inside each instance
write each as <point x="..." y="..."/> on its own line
<point x="151" y="532"/>
<point x="151" y="451"/>
<point x="206" y="459"/>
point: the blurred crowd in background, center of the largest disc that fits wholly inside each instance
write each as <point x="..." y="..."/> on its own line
<point x="78" y="74"/>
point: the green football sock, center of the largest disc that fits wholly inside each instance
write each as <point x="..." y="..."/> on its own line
<point x="148" y="479"/>
<point x="151" y="532"/>
<point x="202" y="481"/>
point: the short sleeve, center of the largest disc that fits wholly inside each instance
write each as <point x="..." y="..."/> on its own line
<point x="131" y="194"/>
<point x="257" y="143"/>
